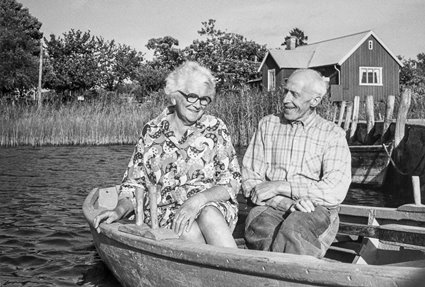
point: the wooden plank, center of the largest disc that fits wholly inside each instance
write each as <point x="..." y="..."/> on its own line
<point x="388" y="115"/>
<point x="368" y="164"/>
<point x="399" y="135"/>
<point x="138" y="230"/>
<point x="335" y="111"/>
<point x="382" y="213"/>
<point x="416" y="184"/>
<point x="140" y="217"/>
<point x="415" y="263"/>
<point x="145" y="231"/>
<point x="402" y="116"/>
<point x="356" y="106"/>
<point x="370" y="118"/>
<point x="412" y="208"/>
<point x="153" y="205"/>
<point x="341" y="113"/>
<point x="348" y="116"/>
<point x="390" y="232"/>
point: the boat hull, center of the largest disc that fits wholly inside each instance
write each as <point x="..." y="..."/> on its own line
<point x="369" y="164"/>
<point x="139" y="261"/>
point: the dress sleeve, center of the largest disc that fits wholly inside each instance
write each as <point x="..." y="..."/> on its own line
<point x="227" y="166"/>
<point x="332" y="188"/>
<point x="135" y="174"/>
<point x="254" y="162"/>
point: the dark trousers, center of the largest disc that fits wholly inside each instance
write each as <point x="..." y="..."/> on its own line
<point x="270" y="229"/>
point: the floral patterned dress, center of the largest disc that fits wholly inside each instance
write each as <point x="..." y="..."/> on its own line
<point x="180" y="168"/>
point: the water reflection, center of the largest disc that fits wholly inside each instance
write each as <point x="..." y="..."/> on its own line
<point x="44" y="238"/>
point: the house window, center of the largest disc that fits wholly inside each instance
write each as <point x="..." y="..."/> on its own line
<point x="370" y="76"/>
<point x="271" y="84"/>
<point x="370" y="45"/>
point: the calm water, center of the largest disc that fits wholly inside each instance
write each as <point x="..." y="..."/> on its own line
<point x="44" y="238"/>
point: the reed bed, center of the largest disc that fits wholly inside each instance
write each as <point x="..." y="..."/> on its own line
<point x="109" y="121"/>
<point x="94" y="123"/>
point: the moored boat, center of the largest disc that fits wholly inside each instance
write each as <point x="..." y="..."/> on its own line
<point x="142" y="260"/>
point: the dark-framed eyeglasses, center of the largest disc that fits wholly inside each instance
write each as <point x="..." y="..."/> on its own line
<point x="192" y="98"/>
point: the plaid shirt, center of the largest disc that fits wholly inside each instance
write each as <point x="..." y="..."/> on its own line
<point x="312" y="156"/>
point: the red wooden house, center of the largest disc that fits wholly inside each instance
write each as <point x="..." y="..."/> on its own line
<point x="359" y="64"/>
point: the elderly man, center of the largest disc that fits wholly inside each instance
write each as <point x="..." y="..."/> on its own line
<point x="297" y="170"/>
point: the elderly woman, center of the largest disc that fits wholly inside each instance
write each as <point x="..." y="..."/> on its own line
<point x="190" y="157"/>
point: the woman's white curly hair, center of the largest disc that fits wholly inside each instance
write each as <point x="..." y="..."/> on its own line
<point x="188" y="75"/>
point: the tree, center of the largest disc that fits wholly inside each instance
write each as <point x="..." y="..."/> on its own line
<point x="74" y="62"/>
<point x="82" y="62"/>
<point x="150" y="79"/>
<point x="299" y="35"/>
<point x="166" y="55"/>
<point x="412" y="74"/>
<point x="19" y="47"/>
<point x="116" y="63"/>
<point x="230" y="56"/>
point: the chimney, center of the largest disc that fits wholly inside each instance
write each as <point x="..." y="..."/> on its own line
<point x="291" y="43"/>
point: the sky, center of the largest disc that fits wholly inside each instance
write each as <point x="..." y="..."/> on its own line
<point x="400" y="24"/>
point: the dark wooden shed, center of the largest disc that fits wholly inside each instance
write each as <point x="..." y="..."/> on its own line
<point x="355" y="65"/>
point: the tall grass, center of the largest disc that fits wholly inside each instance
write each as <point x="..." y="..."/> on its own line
<point x="93" y="123"/>
<point x="119" y="122"/>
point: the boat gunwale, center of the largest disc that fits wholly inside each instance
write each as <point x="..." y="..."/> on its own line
<point x="298" y="268"/>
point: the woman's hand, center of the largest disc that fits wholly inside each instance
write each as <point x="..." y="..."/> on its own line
<point x="187" y="212"/>
<point x="108" y="216"/>
<point x="123" y="208"/>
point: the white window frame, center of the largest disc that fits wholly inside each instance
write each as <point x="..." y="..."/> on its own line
<point x="376" y="72"/>
<point x="271" y="80"/>
<point x="370" y="45"/>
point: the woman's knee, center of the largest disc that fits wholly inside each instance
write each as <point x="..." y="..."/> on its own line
<point x="209" y="215"/>
<point x="194" y="234"/>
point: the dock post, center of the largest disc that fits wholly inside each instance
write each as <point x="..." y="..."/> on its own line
<point x="402" y="117"/>
<point x="399" y="135"/>
<point x="341" y="113"/>
<point x="416" y="183"/>
<point x="370" y="117"/>
<point x="356" y="106"/>
<point x="348" y="116"/>
<point x="388" y="115"/>
<point x="335" y="106"/>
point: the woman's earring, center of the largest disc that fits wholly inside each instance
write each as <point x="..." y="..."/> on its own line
<point x="173" y="101"/>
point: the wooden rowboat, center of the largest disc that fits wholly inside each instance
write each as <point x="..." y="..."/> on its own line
<point x="369" y="164"/>
<point x="390" y="254"/>
<point x="373" y="142"/>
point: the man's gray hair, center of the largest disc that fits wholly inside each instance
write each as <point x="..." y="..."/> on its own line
<point x="317" y="84"/>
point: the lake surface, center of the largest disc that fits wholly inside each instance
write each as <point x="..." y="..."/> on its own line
<point x="44" y="238"/>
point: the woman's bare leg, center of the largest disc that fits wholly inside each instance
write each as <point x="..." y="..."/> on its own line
<point x="214" y="228"/>
<point x="194" y="234"/>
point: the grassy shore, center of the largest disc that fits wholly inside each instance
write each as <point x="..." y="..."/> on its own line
<point x="119" y="122"/>
<point x="87" y="123"/>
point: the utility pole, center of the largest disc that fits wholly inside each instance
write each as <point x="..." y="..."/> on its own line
<point x="40" y="72"/>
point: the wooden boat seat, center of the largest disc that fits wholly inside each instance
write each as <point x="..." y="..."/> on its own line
<point x="396" y="233"/>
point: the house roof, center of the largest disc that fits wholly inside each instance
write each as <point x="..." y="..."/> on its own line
<point x="329" y="52"/>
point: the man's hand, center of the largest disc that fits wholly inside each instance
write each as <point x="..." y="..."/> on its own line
<point x="269" y="189"/>
<point x="303" y="204"/>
